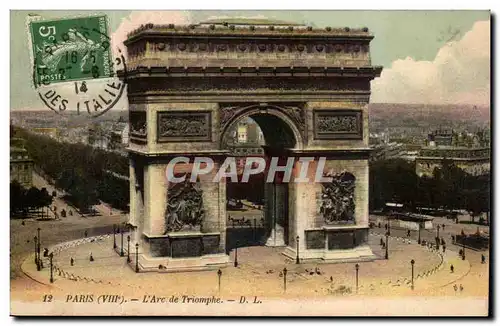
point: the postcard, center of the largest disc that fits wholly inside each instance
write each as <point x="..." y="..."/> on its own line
<point x="250" y="163"/>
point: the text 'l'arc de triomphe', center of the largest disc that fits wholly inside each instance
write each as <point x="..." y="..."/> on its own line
<point x="307" y="88"/>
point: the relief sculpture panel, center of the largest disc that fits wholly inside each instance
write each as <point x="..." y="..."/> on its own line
<point x="338" y="124"/>
<point x="184" y="207"/>
<point x="184" y="126"/>
<point x="336" y="203"/>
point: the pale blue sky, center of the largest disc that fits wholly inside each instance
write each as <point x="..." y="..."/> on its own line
<point x="398" y="35"/>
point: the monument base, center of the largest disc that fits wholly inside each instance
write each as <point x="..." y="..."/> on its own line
<point x="342" y="243"/>
<point x="182" y="251"/>
<point x="168" y="264"/>
<point x="362" y="253"/>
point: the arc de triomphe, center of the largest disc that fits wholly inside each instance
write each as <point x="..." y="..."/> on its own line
<point x="308" y="89"/>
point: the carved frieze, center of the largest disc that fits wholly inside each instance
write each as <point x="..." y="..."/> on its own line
<point x="184" y="206"/>
<point x="254" y="84"/>
<point x="227" y="113"/>
<point x="338" y="124"/>
<point x="184" y="126"/>
<point x="138" y="126"/>
<point x="336" y="203"/>
<point x="277" y="47"/>
<point x="297" y="114"/>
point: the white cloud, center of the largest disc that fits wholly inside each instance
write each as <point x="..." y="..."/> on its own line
<point x="460" y="73"/>
<point x="138" y="18"/>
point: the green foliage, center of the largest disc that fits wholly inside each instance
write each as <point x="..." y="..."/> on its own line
<point x="449" y="187"/>
<point x="22" y="200"/>
<point x="80" y="170"/>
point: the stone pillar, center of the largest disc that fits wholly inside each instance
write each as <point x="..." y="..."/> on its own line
<point x="157" y="192"/>
<point x="133" y="218"/>
<point x="277" y="196"/>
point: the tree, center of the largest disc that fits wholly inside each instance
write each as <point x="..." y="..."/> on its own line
<point x="33" y="198"/>
<point x="392" y="180"/>
<point x="17" y="197"/>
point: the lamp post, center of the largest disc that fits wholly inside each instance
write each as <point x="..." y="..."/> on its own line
<point x="51" y="256"/>
<point x="114" y="236"/>
<point x="284" y="278"/>
<point x="38" y="248"/>
<point x="463" y="249"/>
<point x="36" y="253"/>
<point x="357" y="271"/>
<point x="419" y="228"/>
<point x="236" y="256"/>
<point x="121" y="249"/>
<point x="297" y="259"/>
<point x="412" y="264"/>
<point x="128" y="249"/>
<point x="219" y="274"/>
<point x="137" y="258"/>
<point x="387" y="245"/>
<point x="437" y="237"/>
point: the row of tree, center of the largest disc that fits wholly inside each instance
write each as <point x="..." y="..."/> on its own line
<point x="449" y="188"/>
<point x="80" y="170"/>
<point x="23" y="201"/>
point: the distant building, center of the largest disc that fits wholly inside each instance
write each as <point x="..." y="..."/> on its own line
<point x="386" y="151"/>
<point x="475" y="161"/>
<point x="449" y="145"/>
<point x="119" y="136"/>
<point x="21" y="165"/>
<point x="441" y="137"/>
<point x="242" y="133"/>
<point x="246" y="139"/>
<point x="99" y="138"/>
<point x="50" y="132"/>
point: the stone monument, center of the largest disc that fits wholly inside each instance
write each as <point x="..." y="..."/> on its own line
<point x="307" y="88"/>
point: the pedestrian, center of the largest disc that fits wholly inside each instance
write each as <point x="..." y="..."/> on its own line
<point x="452" y="269"/>
<point x="455" y="287"/>
<point x="443" y="226"/>
<point x="444" y="248"/>
<point x="461" y="288"/>
<point x="379" y="225"/>
<point x="408" y="233"/>
<point x="91" y="257"/>
<point x="381" y="241"/>
<point x="72" y="261"/>
<point x="85" y="233"/>
<point x="483" y="259"/>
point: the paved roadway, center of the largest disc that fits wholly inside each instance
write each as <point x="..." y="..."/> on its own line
<point x="52" y="232"/>
<point x="451" y="228"/>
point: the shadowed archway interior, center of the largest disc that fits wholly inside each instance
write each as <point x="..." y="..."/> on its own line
<point x="269" y="224"/>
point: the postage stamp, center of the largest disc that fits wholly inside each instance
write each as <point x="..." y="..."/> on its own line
<point x="73" y="65"/>
<point x="250" y="164"/>
<point x="71" y="49"/>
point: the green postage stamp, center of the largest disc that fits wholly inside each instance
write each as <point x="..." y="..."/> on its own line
<point x="70" y="49"/>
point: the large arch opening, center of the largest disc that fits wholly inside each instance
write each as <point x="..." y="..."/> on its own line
<point x="257" y="212"/>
